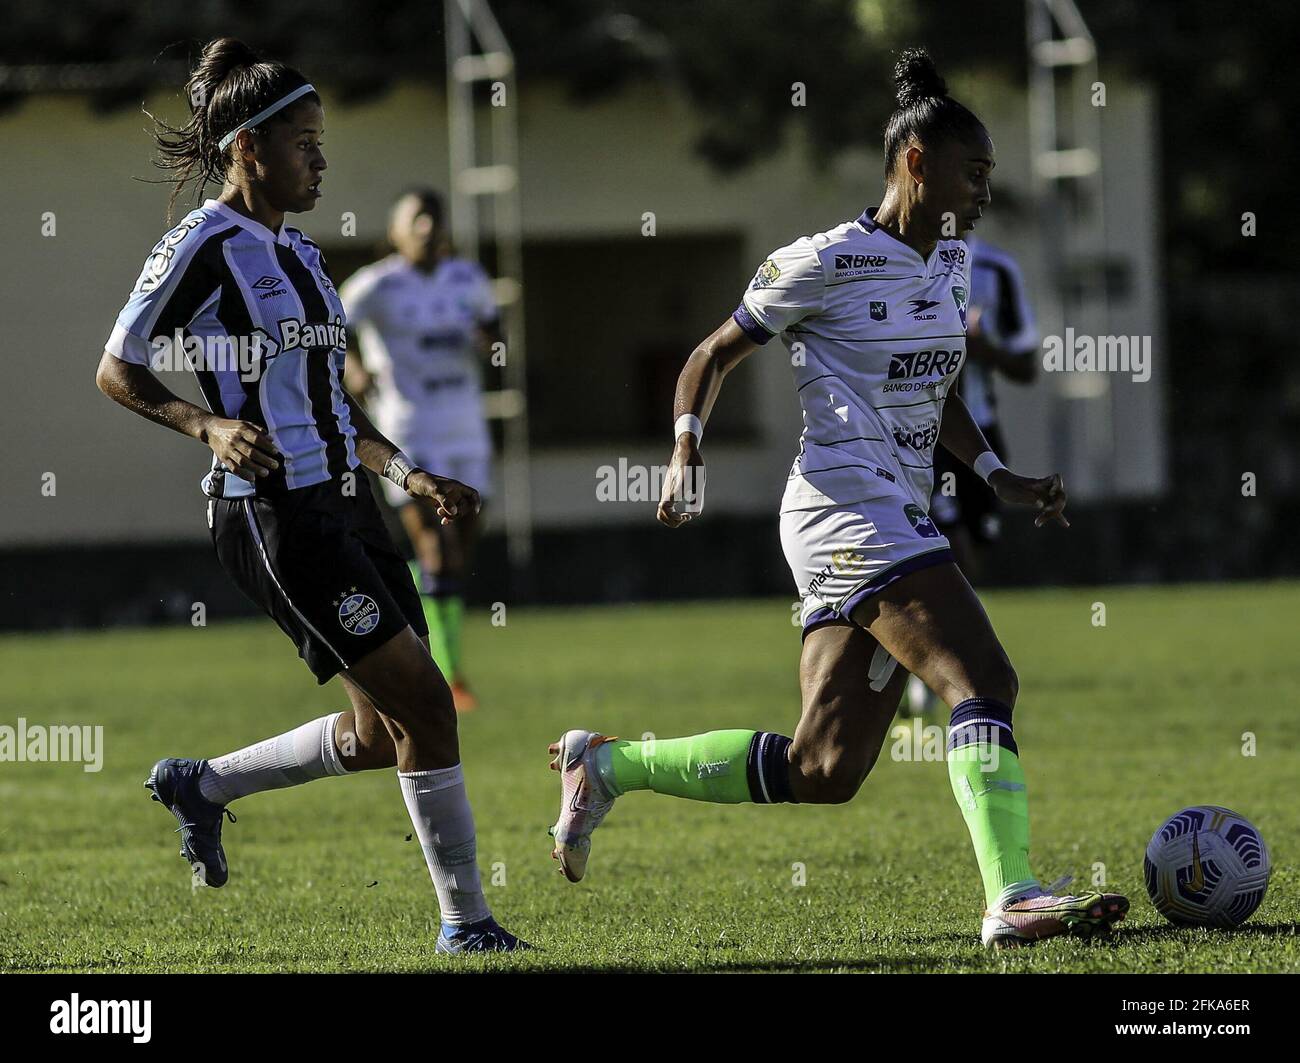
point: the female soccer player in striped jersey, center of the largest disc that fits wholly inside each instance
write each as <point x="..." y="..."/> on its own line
<point x="291" y="515"/>
<point x="877" y="307"/>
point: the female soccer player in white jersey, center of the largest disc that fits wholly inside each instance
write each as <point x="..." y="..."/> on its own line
<point x="878" y="305"/>
<point x="291" y="516"/>
<point x="419" y="318"/>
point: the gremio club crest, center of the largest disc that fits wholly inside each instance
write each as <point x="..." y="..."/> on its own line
<point x="959" y="297"/>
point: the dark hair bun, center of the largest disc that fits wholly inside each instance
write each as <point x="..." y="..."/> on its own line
<point x="916" y="78"/>
<point x="223" y="55"/>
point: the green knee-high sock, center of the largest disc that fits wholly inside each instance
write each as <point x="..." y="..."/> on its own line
<point x="438" y="642"/>
<point x="451" y="610"/>
<point x="715" y="766"/>
<point x="989" y="785"/>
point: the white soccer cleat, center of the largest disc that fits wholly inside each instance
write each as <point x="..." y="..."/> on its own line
<point x="584" y="802"/>
<point x="1042" y="913"/>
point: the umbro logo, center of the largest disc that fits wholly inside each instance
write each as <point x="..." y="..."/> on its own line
<point x="268" y="286"/>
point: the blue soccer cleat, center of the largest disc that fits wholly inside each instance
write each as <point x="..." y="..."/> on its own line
<point x="174" y="782"/>
<point x="483" y="936"/>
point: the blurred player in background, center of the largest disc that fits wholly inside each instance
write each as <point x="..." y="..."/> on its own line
<point x="1001" y="338"/>
<point x="422" y="317"/>
<point x="878" y="306"/>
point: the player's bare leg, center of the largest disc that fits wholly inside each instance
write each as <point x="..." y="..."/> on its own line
<point x="402" y="681"/>
<point x="919" y="700"/>
<point x="934" y="624"/>
<point x="846" y="714"/>
<point x="847" y="707"/>
<point x="198" y="792"/>
<point x="442" y="554"/>
<point x="414" y="702"/>
<point x="361" y="733"/>
<point x="401" y="715"/>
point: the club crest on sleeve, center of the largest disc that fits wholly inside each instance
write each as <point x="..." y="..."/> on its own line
<point x="160" y="258"/>
<point x="767" y="274"/>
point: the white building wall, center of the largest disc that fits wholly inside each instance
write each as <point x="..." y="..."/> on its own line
<point x="585" y="171"/>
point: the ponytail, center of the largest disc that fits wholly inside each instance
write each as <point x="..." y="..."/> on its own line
<point x="230" y="84"/>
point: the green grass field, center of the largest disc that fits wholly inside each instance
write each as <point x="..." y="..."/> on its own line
<point x="1119" y="726"/>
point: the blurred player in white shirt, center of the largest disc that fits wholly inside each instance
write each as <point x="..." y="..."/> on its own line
<point x="1001" y="339"/>
<point x="422" y="317"/>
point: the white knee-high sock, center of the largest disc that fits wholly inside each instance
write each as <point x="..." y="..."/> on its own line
<point x="439" y="808"/>
<point x="298" y="756"/>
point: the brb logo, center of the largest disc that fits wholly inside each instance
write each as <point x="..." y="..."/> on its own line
<point x="924" y="363"/>
<point x="860" y="261"/>
<point x="358" y="613"/>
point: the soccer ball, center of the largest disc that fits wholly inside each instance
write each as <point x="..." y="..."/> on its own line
<point x="1206" y="866"/>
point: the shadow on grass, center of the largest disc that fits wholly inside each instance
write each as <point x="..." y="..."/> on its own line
<point x="883" y="964"/>
<point x="1126" y="937"/>
<point x="1137" y="935"/>
<point x="886" y="964"/>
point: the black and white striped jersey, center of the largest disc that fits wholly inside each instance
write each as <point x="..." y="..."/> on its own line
<point x="997" y="291"/>
<point x="255" y="316"/>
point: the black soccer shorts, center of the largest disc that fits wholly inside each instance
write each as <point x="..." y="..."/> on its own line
<point x="320" y="562"/>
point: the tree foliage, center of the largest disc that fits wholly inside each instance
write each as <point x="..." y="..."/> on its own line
<point x="1225" y="77"/>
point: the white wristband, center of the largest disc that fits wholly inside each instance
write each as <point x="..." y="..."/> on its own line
<point x="986" y="465"/>
<point x="398" y="468"/>
<point x="688" y="422"/>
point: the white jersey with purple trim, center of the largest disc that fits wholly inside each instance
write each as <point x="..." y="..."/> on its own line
<point x="416" y="332"/>
<point x="877" y="336"/>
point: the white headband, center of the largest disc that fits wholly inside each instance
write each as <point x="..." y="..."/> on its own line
<point x="262" y="116"/>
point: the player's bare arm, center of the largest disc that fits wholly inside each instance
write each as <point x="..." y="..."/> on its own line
<point x="697" y="389"/>
<point x="357" y="379"/>
<point x="963" y="438"/>
<point x="243" y="447"/>
<point x="376" y="451"/>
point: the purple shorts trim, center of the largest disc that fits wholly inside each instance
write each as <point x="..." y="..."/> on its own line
<point x="749" y="325"/>
<point x="904" y="568"/>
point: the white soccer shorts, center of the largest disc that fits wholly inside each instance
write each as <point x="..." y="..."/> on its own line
<point x="840" y="555"/>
